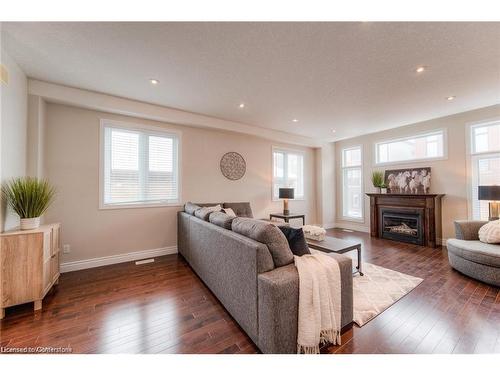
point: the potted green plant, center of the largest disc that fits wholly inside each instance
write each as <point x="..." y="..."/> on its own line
<point x="29" y="197"/>
<point x="378" y="179"/>
<point x="383" y="188"/>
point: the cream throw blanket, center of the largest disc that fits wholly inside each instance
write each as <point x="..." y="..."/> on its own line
<point x="319" y="302"/>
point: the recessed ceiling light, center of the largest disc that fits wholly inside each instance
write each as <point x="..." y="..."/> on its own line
<point x="154" y="81"/>
<point x="450" y="98"/>
<point x="420" y="69"/>
<point x="334" y="131"/>
<point x="242" y="105"/>
<point x="295" y="120"/>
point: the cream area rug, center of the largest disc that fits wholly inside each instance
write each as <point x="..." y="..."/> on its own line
<point x="377" y="290"/>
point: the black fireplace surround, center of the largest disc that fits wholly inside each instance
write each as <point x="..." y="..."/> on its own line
<point x="399" y="225"/>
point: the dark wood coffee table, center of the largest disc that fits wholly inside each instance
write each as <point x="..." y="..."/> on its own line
<point x="339" y="246"/>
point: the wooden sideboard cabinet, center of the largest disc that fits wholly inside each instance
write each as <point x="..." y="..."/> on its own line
<point x="29" y="265"/>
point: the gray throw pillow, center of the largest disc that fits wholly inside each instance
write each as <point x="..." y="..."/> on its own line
<point x="229" y="211"/>
<point x="221" y="219"/>
<point x="241" y="209"/>
<point x="203" y="213"/>
<point x="190" y="208"/>
<point x="208" y="204"/>
<point x="267" y="234"/>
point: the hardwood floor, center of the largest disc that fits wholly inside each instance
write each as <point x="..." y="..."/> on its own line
<point x="163" y="307"/>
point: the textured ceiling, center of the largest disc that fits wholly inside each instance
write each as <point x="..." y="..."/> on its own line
<point x="352" y="77"/>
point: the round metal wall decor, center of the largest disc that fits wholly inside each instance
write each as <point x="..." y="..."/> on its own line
<point x="233" y="166"/>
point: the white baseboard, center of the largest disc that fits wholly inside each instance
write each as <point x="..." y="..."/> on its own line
<point x="353" y="226"/>
<point x="114" y="259"/>
<point x="328" y="225"/>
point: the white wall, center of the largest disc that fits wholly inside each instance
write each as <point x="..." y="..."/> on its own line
<point x="449" y="176"/>
<point x="36" y="133"/>
<point x="14" y="96"/>
<point x="72" y="165"/>
<point x="325" y="185"/>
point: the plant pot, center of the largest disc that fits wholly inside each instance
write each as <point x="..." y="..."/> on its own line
<point x="30" y="223"/>
<point x="383" y="190"/>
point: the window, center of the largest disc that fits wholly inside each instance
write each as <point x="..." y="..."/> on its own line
<point x="485" y="160"/>
<point x="486" y="137"/>
<point x="421" y="147"/>
<point x="352" y="183"/>
<point x="288" y="171"/>
<point x="139" y="166"/>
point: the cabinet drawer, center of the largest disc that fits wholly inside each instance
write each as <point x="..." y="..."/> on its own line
<point x="21" y="261"/>
<point x="29" y="264"/>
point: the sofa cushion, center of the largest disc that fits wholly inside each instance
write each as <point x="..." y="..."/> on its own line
<point x="296" y="240"/>
<point x="468" y="229"/>
<point x="221" y="219"/>
<point x="490" y="232"/>
<point x="475" y="251"/>
<point x="190" y="208"/>
<point x="203" y="213"/>
<point x="268" y="234"/>
<point x="229" y="211"/>
<point x="208" y="204"/>
<point x="277" y="223"/>
<point x="241" y="209"/>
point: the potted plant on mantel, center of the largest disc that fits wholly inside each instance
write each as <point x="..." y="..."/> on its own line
<point x="378" y="181"/>
<point x="29" y="197"/>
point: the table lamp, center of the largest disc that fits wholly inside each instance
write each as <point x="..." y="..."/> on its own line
<point x="492" y="194"/>
<point x="286" y="194"/>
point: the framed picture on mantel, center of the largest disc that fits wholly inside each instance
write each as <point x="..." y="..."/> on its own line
<point x="408" y="181"/>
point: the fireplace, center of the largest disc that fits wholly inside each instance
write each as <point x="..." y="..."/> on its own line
<point x="402" y="226"/>
<point x="411" y="218"/>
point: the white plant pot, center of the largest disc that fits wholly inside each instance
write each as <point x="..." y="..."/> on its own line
<point x="383" y="190"/>
<point x="30" y="223"/>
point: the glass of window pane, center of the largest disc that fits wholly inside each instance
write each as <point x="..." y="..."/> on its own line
<point x="292" y="166"/>
<point x="122" y="183"/>
<point x="160" y="151"/>
<point x="160" y="178"/>
<point x="487" y="138"/>
<point x="487" y="171"/>
<point x="352" y="193"/>
<point x="352" y="157"/>
<point x="412" y="148"/>
<point x="279" y="167"/>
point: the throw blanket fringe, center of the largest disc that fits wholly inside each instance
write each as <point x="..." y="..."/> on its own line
<point x="319" y="302"/>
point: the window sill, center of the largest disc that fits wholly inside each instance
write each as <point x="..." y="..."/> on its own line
<point x="403" y="162"/>
<point x="139" y="205"/>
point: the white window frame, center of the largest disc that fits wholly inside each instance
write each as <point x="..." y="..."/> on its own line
<point x="417" y="160"/>
<point x="472" y="158"/>
<point x="289" y="151"/>
<point x="362" y="183"/>
<point x="161" y="131"/>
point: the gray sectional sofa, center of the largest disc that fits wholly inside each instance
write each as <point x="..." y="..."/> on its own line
<point x="472" y="257"/>
<point x="242" y="273"/>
